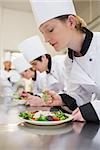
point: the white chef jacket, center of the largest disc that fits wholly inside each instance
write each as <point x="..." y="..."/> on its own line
<point x="39" y="84"/>
<point x="10" y="78"/>
<point x="4" y="73"/>
<point x="56" y="79"/>
<point x="84" y="78"/>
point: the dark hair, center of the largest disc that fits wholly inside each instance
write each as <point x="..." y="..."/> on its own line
<point x="31" y="69"/>
<point x="40" y="58"/>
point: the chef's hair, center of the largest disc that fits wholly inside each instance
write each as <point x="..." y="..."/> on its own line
<point x="80" y="23"/>
<point x="40" y="58"/>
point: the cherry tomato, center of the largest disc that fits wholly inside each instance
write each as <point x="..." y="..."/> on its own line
<point x="55" y="118"/>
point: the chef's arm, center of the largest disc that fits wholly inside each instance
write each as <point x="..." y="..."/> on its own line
<point x="69" y="101"/>
<point x="91" y="111"/>
<point x="76" y="96"/>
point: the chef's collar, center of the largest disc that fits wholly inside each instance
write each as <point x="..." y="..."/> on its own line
<point x="7" y="70"/>
<point x="86" y="44"/>
<point x="49" y="65"/>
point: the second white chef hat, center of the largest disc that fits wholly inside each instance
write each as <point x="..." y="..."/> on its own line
<point x="21" y="64"/>
<point x="32" y="48"/>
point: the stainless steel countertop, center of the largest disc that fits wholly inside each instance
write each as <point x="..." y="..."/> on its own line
<point x="15" y="135"/>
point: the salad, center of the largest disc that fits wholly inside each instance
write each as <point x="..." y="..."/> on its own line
<point x="22" y="96"/>
<point x="43" y="115"/>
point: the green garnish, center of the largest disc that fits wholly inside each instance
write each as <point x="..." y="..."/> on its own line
<point x="26" y="115"/>
<point x="45" y="96"/>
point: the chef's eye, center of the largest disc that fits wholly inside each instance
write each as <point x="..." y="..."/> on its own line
<point x="51" y="29"/>
<point x="26" y="70"/>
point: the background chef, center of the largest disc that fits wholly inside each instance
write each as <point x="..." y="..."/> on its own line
<point x="26" y="71"/>
<point x="9" y="77"/>
<point x="36" y="54"/>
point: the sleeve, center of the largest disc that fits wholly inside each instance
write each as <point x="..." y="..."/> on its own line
<point x="69" y="101"/>
<point x="79" y="93"/>
<point x="83" y="94"/>
<point x="96" y="106"/>
<point x="91" y="111"/>
<point x="77" y="96"/>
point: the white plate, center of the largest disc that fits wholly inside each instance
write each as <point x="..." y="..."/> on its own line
<point x="48" y="122"/>
<point x="20" y="102"/>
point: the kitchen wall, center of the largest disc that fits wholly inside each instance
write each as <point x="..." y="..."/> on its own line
<point x="17" y="21"/>
<point x="16" y="26"/>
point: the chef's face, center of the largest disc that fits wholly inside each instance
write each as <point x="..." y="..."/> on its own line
<point x="27" y="74"/>
<point x="40" y="66"/>
<point x="57" y="33"/>
<point x="7" y="65"/>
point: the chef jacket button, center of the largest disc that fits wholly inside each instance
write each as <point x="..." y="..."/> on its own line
<point x="90" y="59"/>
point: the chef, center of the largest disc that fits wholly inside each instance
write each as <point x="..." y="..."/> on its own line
<point x="36" y="54"/>
<point x="9" y="75"/>
<point x="62" y="28"/>
<point x="26" y="71"/>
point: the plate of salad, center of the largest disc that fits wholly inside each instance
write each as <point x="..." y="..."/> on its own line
<point x="45" y="117"/>
<point x="20" y="99"/>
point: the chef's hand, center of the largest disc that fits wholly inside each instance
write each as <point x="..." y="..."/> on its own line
<point x="77" y="116"/>
<point x="35" y="101"/>
<point x="53" y="98"/>
<point x="24" y="94"/>
<point x="38" y="101"/>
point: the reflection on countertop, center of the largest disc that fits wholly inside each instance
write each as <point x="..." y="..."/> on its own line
<point x="18" y="135"/>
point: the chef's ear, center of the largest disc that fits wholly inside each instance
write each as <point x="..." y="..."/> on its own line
<point x="71" y="21"/>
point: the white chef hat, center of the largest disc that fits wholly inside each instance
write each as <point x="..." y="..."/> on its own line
<point x="32" y="48"/>
<point x="45" y="10"/>
<point x="21" y="64"/>
<point x="7" y="56"/>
